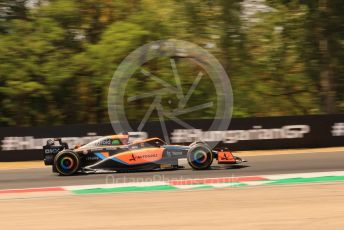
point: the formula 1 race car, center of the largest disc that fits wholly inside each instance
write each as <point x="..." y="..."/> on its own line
<point x="117" y="153"/>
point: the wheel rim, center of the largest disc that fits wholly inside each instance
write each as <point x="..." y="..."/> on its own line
<point x="67" y="163"/>
<point x="200" y="157"/>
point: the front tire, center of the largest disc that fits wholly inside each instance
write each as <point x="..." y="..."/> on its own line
<point x="200" y="156"/>
<point x="67" y="163"/>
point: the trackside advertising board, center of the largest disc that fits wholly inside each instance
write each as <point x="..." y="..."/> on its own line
<point x="25" y="143"/>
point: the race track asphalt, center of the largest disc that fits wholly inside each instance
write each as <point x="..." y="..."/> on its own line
<point x="256" y="165"/>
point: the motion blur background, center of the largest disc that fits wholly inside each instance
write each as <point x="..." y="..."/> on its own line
<point x="57" y="57"/>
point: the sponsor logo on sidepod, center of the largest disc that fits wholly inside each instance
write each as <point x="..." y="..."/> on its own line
<point x="152" y="155"/>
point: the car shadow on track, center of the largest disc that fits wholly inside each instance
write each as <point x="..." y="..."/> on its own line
<point x="212" y="168"/>
<point x="228" y="167"/>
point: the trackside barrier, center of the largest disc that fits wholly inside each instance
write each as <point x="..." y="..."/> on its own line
<point x="25" y="143"/>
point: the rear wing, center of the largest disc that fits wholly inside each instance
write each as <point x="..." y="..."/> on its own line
<point x="52" y="148"/>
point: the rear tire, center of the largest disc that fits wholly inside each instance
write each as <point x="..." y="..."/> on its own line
<point x="67" y="163"/>
<point x="200" y="156"/>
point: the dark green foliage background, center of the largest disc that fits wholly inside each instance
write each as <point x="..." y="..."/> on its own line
<point x="57" y="57"/>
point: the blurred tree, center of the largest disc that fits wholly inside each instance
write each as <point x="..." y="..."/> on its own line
<point x="29" y="56"/>
<point x="57" y="57"/>
<point x="276" y="44"/>
<point x="11" y="9"/>
<point x="324" y="51"/>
